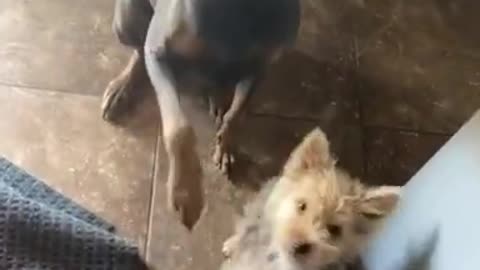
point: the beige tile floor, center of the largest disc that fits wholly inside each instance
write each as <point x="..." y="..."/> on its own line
<point x="389" y="81"/>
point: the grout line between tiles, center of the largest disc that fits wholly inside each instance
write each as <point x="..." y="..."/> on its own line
<point x="407" y="130"/>
<point x="45" y="90"/>
<point x="362" y="124"/>
<point x="285" y="117"/>
<point x="153" y="188"/>
<point x="357" y="93"/>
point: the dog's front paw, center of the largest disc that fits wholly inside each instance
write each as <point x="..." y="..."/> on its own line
<point x="184" y="186"/>
<point x="222" y="157"/>
<point x="185" y="197"/>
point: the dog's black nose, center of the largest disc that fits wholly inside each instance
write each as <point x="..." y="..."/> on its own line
<point x="302" y="249"/>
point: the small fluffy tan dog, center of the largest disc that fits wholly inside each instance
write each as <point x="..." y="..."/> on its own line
<point x="314" y="216"/>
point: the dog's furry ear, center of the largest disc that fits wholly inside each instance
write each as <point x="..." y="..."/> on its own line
<point x="379" y="201"/>
<point x="312" y="154"/>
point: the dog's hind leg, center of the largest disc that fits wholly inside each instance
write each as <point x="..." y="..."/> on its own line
<point x="130" y="24"/>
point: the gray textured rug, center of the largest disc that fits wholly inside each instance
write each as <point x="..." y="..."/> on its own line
<point x="41" y="229"/>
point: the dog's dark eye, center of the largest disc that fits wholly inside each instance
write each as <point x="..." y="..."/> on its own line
<point x="334" y="230"/>
<point x="301" y="205"/>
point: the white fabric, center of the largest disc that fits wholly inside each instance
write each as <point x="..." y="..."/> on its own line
<point x="438" y="217"/>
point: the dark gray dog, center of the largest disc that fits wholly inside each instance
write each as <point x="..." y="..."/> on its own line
<point x="226" y="43"/>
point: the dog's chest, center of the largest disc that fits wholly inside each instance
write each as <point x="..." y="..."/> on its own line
<point x="213" y="69"/>
<point x="228" y="72"/>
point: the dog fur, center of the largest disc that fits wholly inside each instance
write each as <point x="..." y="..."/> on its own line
<point x="314" y="216"/>
<point x="225" y="44"/>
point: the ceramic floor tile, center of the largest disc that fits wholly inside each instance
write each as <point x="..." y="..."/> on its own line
<point x="301" y="87"/>
<point x="62" y="139"/>
<point x="326" y="29"/>
<point x="61" y="45"/>
<point x="420" y="70"/>
<point x="393" y="157"/>
<point x="264" y="144"/>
